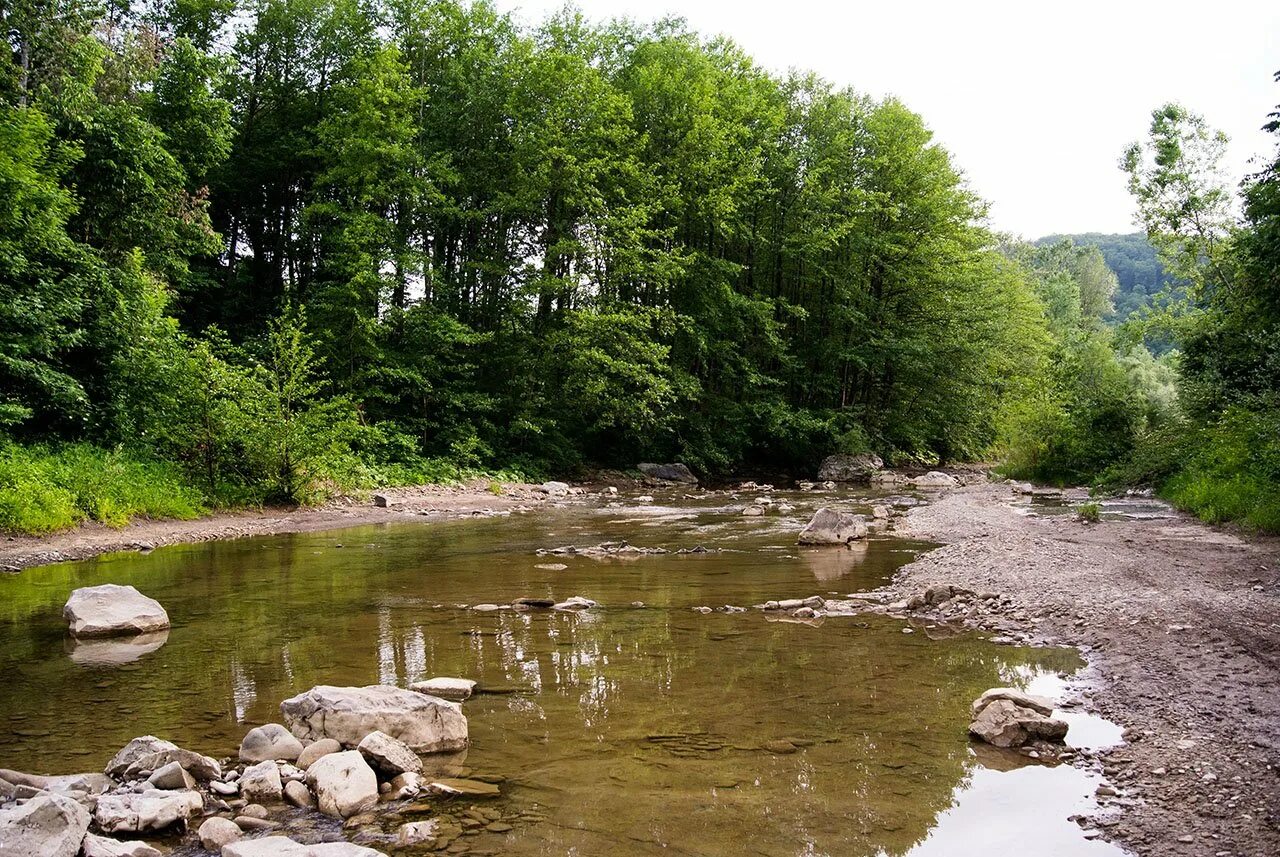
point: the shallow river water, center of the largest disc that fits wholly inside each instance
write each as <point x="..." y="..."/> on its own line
<point x="628" y="730"/>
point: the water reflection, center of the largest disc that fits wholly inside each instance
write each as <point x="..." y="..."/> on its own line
<point x="653" y="730"/>
<point x="113" y="651"/>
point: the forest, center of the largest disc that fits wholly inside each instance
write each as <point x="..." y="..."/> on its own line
<point x="277" y="250"/>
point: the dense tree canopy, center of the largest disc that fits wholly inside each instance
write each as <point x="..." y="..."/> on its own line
<point x="546" y="247"/>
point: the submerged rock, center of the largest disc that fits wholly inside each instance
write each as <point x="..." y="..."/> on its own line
<point x="833" y="527"/>
<point x="426" y="724"/>
<point x="421" y="833"/>
<point x="283" y="846"/>
<point x="577" y="602"/>
<point x="1004" y="717"/>
<point x="458" y="786"/>
<point x="849" y="468"/>
<point x="603" y="549"/>
<point x="668" y="473"/>
<point x="111" y="610"/>
<point x="445" y="687"/>
<point x="344" y="784"/>
<point x="145" y="812"/>
<point x="268" y="742"/>
<point x="47" y="825"/>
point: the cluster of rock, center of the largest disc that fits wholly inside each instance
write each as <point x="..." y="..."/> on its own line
<point x="604" y="549"/>
<point x="1005" y="717"/>
<point x="867" y="467"/>
<point x="573" y="604"/>
<point x="765" y="504"/>
<point x="340" y="751"/>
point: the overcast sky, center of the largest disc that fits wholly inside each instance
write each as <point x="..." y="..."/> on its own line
<point x="1034" y="100"/>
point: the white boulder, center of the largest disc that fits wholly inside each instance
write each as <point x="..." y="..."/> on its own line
<point x="426" y="724"/>
<point x="111" y="610"/>
<point x="144" y="812"/>
<point x="343" y="783"/>
<point x="47" y="825"/>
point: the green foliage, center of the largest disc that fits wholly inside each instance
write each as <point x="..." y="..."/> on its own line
<point x="43" y="488"/>
<point x="1089" y="513"/>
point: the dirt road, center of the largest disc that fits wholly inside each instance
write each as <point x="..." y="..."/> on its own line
<point x="1181" y="624"/>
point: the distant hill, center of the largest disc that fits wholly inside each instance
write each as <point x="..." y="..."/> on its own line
<point x="1134" y="262"/>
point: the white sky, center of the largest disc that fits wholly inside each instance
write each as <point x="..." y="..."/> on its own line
<point x="1034" y="100"/>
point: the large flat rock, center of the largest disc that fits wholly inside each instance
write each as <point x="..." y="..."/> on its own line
<point x="427" y="724"/>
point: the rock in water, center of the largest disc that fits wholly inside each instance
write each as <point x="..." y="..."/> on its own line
<point x="216" y="833"/>
<point x="47" y="825"/>
<point x="668" y="473"/>
<point x="1000" y="720"/>
<point x="344" y="784"/>
<point x="110" y="610"/>
<point x="935" y="479"/>
<point x="145" y="812"/>
<point x="101" y="846"/>
<point x="261" y="782"/>
<point x="833" y="527"/>
<point x="460" y="787"/>
<point x="315" y="750"/>
<point x="269" y="742"/>
<point x="453" y="689"/>
<point x="389" y="756"/>
<point x="426" y="724"/>
<point x="1025" y="700"/>
<point x="849" y="468"/>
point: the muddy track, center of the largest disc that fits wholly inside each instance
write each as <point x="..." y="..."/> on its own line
<point x="1181" y="626"/>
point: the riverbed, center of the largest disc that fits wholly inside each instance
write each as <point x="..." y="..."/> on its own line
<point x="643" y="726"/>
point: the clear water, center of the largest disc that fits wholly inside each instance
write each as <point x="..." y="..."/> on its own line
<point x="627" y="730"/>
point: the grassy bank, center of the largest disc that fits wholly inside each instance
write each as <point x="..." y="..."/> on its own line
<point x="44" y="489"/>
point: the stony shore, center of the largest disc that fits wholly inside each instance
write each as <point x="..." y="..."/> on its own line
<point x="1180" y="623"/>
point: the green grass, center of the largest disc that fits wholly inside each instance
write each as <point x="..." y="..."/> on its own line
<point x="44" y="489"/>
<point x="1090" y="513"/>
